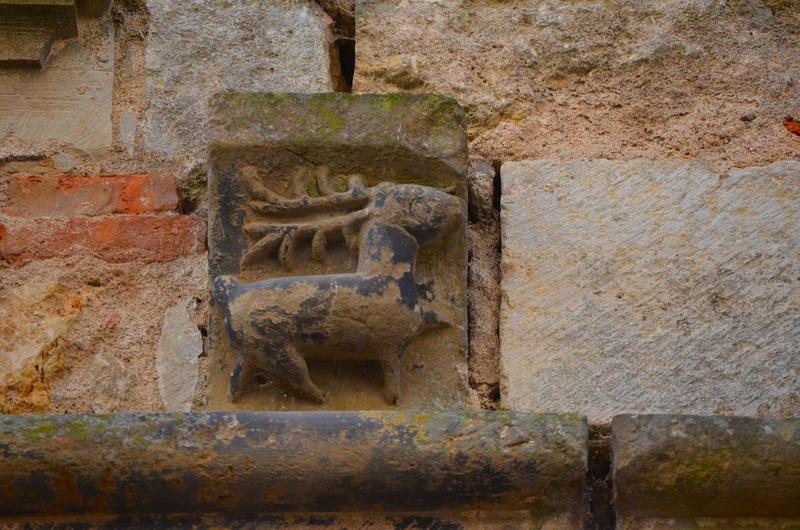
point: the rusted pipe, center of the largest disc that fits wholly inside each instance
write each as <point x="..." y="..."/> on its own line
<point x="240" y="463"/>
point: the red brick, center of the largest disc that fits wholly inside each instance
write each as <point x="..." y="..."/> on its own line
<point x="116" y="239"/>
<point x="67" y="196"/>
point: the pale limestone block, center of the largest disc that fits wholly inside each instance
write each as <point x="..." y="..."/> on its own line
<point x="650" y="287"/>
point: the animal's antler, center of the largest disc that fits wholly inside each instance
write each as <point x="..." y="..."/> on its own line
<point x="270" y="203"/>
<point x="285" y="237"/>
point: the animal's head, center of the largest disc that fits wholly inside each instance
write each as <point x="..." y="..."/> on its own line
<point x="222" y="289"/>
<point x="425" y="212"/>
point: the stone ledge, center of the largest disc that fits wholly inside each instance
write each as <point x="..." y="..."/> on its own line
<point x="403" y="134"/>
<point x="241" y="463"/>
<point x="705" y="466"/>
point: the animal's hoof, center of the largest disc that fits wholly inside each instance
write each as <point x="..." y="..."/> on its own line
<point x="317" y="395"/>
<point x="391" y="397"/>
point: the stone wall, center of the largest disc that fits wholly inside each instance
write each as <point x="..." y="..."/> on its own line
<point x="633" y="196"/>
<point x="545" y="79"/>
<point x="102" y="189"/>
<point x="633" y="222"/>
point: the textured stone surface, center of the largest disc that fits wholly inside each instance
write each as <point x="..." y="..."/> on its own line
<point x="111" y="380"/>
<point x="28" y="30"/>
<point x="57" y="315"/>
<point x="33" y="319"/>
<point x="709" y="523"/>
<point x="280" y="144"/>
<point x="57" y="196"/>
<point x="483" y="283"/>
<point x="693" y="466"/>
<point x="270" y="46"/>
<point x="650" y="287"/>
<point x="93" y="8"/>
<point x="115" y="239"/>
<point x="69" y="101"/>
<point x="179" y="347"/>
<point x="589" y="79"/>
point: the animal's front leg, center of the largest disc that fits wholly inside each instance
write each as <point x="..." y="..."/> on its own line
<point x="241" y="375"/>
<point x="293" y="368"/>
<point x="391" y="378"/>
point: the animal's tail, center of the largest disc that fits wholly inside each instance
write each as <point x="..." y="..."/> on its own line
<point x="222" y="289"/>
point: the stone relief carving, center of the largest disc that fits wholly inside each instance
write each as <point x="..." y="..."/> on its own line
<point x="373" y="313"/>
<point x="337" y="252"/>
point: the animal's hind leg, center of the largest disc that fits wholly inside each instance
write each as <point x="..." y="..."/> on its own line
<point x="391" y="378"/>
<point x="293" y="368"/>
<point x="391" y="364"/>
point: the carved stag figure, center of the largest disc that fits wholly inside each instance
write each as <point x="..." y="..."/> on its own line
<point x="373" y="313"/>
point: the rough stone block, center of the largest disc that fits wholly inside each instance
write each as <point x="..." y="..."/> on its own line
<point x="33" y="319"/>
<point x="29" y="28"/>
<point x="115" y="239"/>
<point x="79" y="334"/>
<point x="69" y="101"/>
<point x="275" y="159"/>
<point x="68" y="196"/>
<point x="548" y="79"/>
<point x="696" y="469"/>
<point x="243" y="46"/>
<point x="650" y="287"/>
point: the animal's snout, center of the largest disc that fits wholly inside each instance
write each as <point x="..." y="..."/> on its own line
<point x="222" y="289"/>
<point x="427" y="213"/>
<point x="452" y="212"/>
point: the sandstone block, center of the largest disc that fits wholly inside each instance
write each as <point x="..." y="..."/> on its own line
<point x="650" y="287"/>
<point x="29" y="29"/>
<point x="69" y="101"/>
<point x="243" y="46"/>
<point x="68" y="196"/>
<point x="544" y="79"/>
<point x="114" y="239"/>
<point x="34" y="317"/>
<point x="81" y="335"/>
<point x="694" y="467"/>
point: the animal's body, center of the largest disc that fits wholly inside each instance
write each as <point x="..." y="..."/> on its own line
<point x="373" y="313"/>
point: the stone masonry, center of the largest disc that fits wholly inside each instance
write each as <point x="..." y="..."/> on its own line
<point x="631" y="259"/>
<point x="650" y="287"/>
